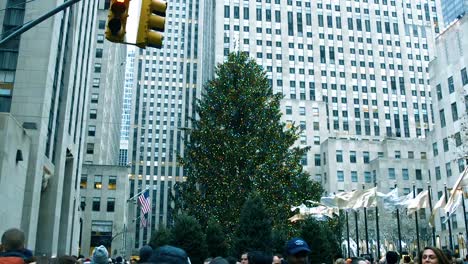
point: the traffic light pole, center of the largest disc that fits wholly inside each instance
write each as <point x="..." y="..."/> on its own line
<point x="37" y="21"/>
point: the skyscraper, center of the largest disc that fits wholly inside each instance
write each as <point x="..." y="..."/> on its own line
<point x="167" y="81"/>
<point x="44" y="81"/>
<point x="103" y="183"/>
<point x="453" y="9"/>
<point x="354" y="75"/>
<point x="449" y="140"/>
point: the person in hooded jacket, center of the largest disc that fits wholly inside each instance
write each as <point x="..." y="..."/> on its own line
<point x="12" y="247"/>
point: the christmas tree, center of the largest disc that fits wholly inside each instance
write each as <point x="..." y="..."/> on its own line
<point x="238" y="145"/>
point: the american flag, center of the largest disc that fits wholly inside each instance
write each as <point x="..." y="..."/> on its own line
<point x="143" y="221"/>
<point x="144" y="202"/>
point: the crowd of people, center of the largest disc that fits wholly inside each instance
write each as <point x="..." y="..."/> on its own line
<point x="13" y="251"/>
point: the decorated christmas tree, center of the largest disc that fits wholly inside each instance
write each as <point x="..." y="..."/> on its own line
<point x="238" y="144"/>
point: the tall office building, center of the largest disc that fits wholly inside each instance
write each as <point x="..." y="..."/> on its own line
<point x="354" y="75"/>
<point x="127" y="104"/>
<point x="453" y="9"/>
<point x="104" y="183"/>
<point x="44" y="81"/>
<point x="449" y="140"/>
<point x="167" y="81"/>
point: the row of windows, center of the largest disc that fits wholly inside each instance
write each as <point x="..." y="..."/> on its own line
<point x="97" y="183"/>
<point x="451" y="85"/>
<point x="96" y="204"/>
<point x="456" y="138"/>
<point x="392" y="175"/>
<point x="448" y="169"/>
<point x="454" y="110"/>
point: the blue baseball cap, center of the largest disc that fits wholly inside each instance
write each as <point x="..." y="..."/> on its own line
<point x="296" y="245"/>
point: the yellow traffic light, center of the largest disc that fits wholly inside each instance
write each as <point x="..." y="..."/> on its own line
<point x="151" y="26"/>
<point x="117" y="19"/>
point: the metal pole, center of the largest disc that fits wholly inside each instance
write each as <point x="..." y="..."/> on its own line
<point x="448" y="220"/>
<point x="377" y="226"/>
<point x="365" y="226"/>
<point x="398" y="227"/>
<point x="430" y="207"/>
<point x="357" y="231"/>
<point x="37" y="21"/>
<point x="416" y="220"/>
<point x="464" y="216"/>
<point x="347" y="234"/>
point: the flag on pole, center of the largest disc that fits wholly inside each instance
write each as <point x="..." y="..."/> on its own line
<point x="456" y="193"/>
<point x="437" y="206"/>
<point x="366" y="199"/>
<point x="143" y="221"/>
<point x="144" y="202"/>
<point x="420" y="201"/>
<point x="390" y="199"/>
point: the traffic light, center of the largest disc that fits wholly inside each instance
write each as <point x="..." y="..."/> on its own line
<point x="117" y="19"/>
<point x="151" y="26"/>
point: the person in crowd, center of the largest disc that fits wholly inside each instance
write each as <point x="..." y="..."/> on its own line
<point x="169" y="255"/>
<point x="340" y="261"/>
<point x="244" y="258"/>
<point x="13" y="250"/>
<point x="219" y="260"/>
<point x="258" y="257"/>
<point x="297" y="251"/>
<point x="391" y="257"/>
<point x="100" y="255"/>
<point x="145" y="253"/>
<point x="277" y="258"/>
<point x="407" y="259"/>
<point x="67" y="260"/>
<point x="358" y="260"/>
<point x="432" y="255"/>
<point x="231" y="260"/>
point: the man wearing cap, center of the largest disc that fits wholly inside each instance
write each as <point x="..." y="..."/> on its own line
<point x="297" y="251"/>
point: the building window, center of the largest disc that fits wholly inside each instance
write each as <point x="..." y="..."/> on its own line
<point x="352" y="156"/>
<point x="84" y="181"/>
<point x="423" y="155"/>
<point x="302" y="111"/>
<point x="98" y="53"/>
<point x="100" y="38"/>
<point x="391" y="174"/>
<point x="340" y="176"/>
<point x="92" y="113"/>
<point x="110" y="204"/>
<point x="94" y="98"/>
<point x="102" y="24"/>
<point x="317" y="160"/>
<point x="435" y="149"/>
<point x="418" y="174"/>
<point x="289" y="110"/>
<point x="442" y="118"/>
<point x="339" y="156"/>
<point x="90" y="148"/>
<point x="464" y="76"/>
<point x="451" y="86"/>
<point x="405" y="174"/>
<point x="304" y="160"/>
<point x="97" y="67"/>
<point x="458" y="140"/>
<point x="96" y="204"/>
<point x="446" y="144"/>
<point x="82" y="203"/>
<point x="92" y="131"/>
<point x="354" y="176"/>
<point x="439" y="91"/>
<point x="454" y="112"/>
<point x="410" y="155"/>
<point x="112" y="183"/>
<point x="366" y="157"/>
<point x="98" y="182"/>
<point x="397" y="154"/>
<point x="437" y="173"/>
<point x="448" y="169"/>
<point x="461" y="165"/>
<point x="367" y="177"/>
